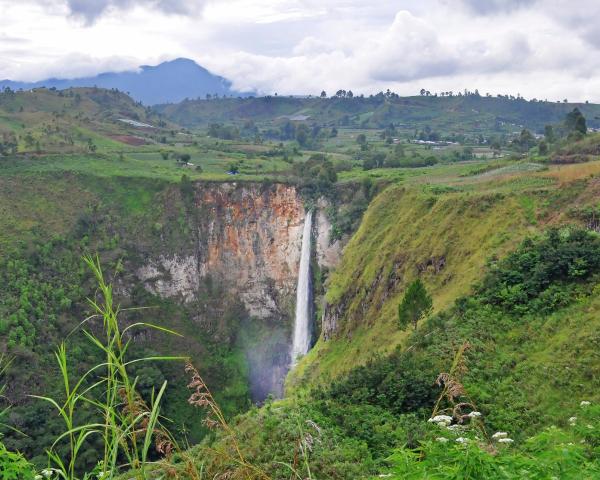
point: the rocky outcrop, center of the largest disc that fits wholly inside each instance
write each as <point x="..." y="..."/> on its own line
<point x="171" y="276"/>
<point x="247" y="236"/>
<point x="328" y="252"/>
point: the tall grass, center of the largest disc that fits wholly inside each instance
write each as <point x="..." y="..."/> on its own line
<point x="127" y="424"/>
<point x="4" y="364"/>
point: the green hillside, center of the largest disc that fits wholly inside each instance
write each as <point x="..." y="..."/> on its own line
<point x="501" y="227"/>
<point x="444" y="234"/>
<point x="465" y="114"/>
<point x="498" y="256"/>
<point x="75" y="120"/>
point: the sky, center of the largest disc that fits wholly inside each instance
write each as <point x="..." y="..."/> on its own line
<point x="545" y="49"/>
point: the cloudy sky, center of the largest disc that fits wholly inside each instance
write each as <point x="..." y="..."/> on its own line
<point x="538" y="48"/>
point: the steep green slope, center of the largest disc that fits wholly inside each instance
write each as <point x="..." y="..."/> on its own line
<point x="442" y="233"/>
<point x="521" y="351"/>
<point x="406" y="232"/>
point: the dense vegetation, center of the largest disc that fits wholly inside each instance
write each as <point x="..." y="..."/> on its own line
<point x="474" y="229"/>
<point x="477" y="113"/>
<point x="375" y="418"/>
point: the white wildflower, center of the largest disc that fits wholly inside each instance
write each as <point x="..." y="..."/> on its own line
<point x="585" y="403"/>
<point x="47" y="472"/>
<point x="498" y="435"/>
<point x="384" y="475"/>
<point x="441" y="419"/>
<point x="462" y="440"/>
<point x="38" y="477"/>
<point x="474" y="414"/>
<point x="572" y="421"/>
<point x="441" y="439"/>
<point x="506" y="440"/>
<point x="455" y="428"/>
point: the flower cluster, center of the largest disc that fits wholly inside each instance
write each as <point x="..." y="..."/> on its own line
<point x="502" y="437"/>
<point x="441" y="420"/>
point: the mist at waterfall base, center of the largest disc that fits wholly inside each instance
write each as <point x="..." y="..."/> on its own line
<point x="303" y="324"/>
<point x="267" y="346"/>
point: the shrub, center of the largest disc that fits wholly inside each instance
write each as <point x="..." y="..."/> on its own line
<point x="536" y="273"/>
<point x="13" y="466"/>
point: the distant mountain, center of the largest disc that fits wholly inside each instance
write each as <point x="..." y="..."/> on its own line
<point x="168" y="82"/>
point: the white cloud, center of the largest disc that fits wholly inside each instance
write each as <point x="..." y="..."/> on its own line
<point x="539" y="48"/>
<point x="91" y="10"/>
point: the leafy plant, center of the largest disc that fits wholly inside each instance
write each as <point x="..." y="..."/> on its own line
<point x="127" y="425"/>
<point x="13" y="466"/>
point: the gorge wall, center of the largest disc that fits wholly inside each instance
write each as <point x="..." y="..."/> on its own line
<point x="245" y="238"/>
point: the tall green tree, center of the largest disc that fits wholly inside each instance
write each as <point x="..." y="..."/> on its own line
<point x="575" y="122"/>
<point x="415" y="305"/>
<point x="549" y="133"/>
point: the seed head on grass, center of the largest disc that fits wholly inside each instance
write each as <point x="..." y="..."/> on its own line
<point x="201" y="397"/>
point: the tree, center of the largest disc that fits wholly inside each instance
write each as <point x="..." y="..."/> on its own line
<point x="415" y="305"/>
<point x="182" y="158"/>
<point x="575" y="122"/>
<point x="543" y="148"/>
<point x="361" y="139"/>
<point x="525" y="141"/>
<point x="323" y="94"/>
<point x="302" y="135"/>
<point x="496" y="147"/>
<point x="549" y="133"/>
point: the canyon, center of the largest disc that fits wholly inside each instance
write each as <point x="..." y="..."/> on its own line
<point x="247" y="238"/>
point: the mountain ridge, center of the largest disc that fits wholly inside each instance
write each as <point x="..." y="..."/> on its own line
<point x="168" y="82"/>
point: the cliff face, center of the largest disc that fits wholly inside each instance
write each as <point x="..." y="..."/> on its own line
<point x="246" y="236"/>
<point x="247" y="239"/>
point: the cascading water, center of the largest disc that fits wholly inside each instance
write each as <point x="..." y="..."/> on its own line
<point x="302" y="324"/>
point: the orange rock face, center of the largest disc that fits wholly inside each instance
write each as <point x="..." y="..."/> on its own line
<point x="252" y="235"/>
<point x="247" y="236"/>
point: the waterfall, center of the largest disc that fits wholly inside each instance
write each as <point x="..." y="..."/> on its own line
<point x="302" y="324"/>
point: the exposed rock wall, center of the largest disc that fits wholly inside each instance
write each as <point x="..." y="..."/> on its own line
<point x="328" y="252"/>
<point x="247" y="236"/>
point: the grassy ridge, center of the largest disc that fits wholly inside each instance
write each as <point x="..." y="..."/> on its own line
<point x="445" y="234"/>
<point x="404" y="230"/>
